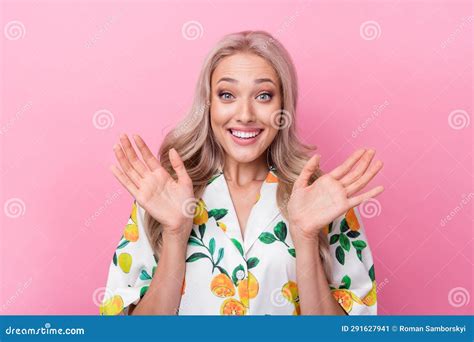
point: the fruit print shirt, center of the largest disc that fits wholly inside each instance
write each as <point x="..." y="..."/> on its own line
<point x="227" y="274"/>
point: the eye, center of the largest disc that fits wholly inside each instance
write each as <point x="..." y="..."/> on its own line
<point x="266" y="96"/>
<point x="227" y="95"/>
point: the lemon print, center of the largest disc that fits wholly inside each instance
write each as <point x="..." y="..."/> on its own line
<point x="222" y="226"/>
<point x="297" y="310"/>
<point x="131" y="232"/>
<point x="200" y="215"/>
<point x="112" y="306"/>
<point x="133" y="215"/>
<point x="290" y="292"/>
<point x="271" y="178"/>
<point x="248" y="289"/>
<point x="125" y="262"/>
<point x="371" y="298"/>
<point x="326" y="230"/>
<point x="258" y="197"/>
<point x="184" y="286"/>
<point x="345" y="298"/>
<point x="233" y="307"/>
<point x="351" y="220"/>
<point x="222" y="286"/>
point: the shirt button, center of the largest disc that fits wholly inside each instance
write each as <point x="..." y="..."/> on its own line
<point x="240" y="274"/>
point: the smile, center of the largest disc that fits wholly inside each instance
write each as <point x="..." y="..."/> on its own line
<point x="245" y="137"/>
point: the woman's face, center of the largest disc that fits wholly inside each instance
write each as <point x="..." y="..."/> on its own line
<point x="245" y="97"/>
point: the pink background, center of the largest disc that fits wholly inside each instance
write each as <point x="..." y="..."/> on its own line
<point x="403" y="87"/>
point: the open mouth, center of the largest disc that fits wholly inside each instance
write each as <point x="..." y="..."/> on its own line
<point x="245" y="135"/>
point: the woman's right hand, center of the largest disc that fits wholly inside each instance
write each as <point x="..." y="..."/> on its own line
<point x="170" y="202"/>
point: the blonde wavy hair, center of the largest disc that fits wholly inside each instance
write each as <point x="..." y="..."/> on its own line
<point x="195" y="142"/>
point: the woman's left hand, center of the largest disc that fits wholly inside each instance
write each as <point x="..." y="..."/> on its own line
<point x="312" y="207"/>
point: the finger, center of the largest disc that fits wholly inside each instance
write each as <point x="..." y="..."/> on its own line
<point x="308" y="170"/>
<point x="356" y="200"/>
<point x="151" y="161"/>
<point x="345" y="167"/>
<point x="124" y="180"/>
<point x="132" y="155"/>
<point x="359" y="170"/>
<point x="178" y="167"/>
<point x="365" y="179"/>
<point x="126" y="166"/>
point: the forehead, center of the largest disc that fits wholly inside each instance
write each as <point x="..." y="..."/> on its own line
<point x="244" y="67"/>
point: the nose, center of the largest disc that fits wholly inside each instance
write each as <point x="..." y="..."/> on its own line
<point x="245" y="112"/>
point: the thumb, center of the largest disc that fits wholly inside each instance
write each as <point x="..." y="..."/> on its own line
<point x="308" y="170"/>
<point x="178" y="166"/>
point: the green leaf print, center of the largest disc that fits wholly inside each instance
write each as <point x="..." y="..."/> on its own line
<point x="114" y="259"/>
<point x="123" y="244"/>
<point x="372" y="273"/>
<point x="359" y="254"/>
<point x="217" y="213"/>
<point x="193" y="233"/>
<point x="347" y="282"/>
<point x="194" y="242"/>
<point x="239" y="246"/>
<point x="344" y="225"/>
<point x="153" y="271"/>
<point x="196" y="256"/>
<point x="330" y="227"/>
<point x="212" y="246"/>
<point x="143" y="290"/>
<point x="280" y="231"/>
<point x="353" y="234"/>
<point x="220" y="255"/>
<point x="292" y="252"/>
<point x="144" y="275"/>
<point x="213" y="178"/>
<point x="345" y="243"/>
<point x="202" y="230"/>
<point x="267" y="238"/>
<point x="334" y="238"/>
<point x="359" y="244"/>
<point x="340" y="255"/>
<point x="252" y="262"/>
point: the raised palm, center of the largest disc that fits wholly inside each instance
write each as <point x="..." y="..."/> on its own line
<point x="168" y="201"/>
<point x="311" y="207"/>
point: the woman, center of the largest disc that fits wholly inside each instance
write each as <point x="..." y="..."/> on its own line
<point x="235" y="218"/>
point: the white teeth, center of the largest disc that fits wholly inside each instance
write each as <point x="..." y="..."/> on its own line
<point x="244" y="135"/>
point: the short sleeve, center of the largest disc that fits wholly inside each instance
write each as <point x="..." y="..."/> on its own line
<point x="132" y="267"/>
<point x="354" y="286"/>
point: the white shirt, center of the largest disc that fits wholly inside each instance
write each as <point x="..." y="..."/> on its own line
<point x="227" y="274"/>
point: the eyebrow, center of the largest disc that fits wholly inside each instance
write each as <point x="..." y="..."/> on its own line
<point x="257" y="81"/>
